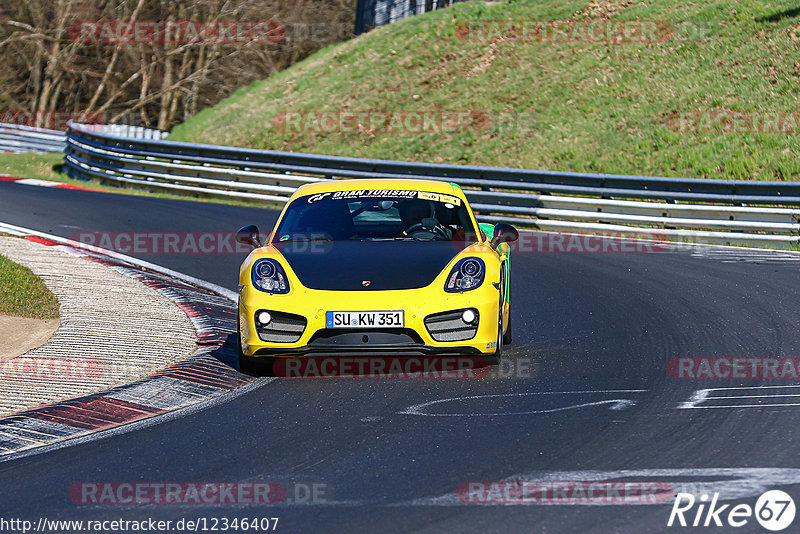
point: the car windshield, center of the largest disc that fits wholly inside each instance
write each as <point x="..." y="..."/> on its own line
<point x="376" y="215"/>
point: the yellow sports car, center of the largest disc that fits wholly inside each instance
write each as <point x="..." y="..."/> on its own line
<point x="375" y="267"/>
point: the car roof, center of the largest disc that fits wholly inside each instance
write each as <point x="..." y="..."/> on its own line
<point x="329" y="186"/>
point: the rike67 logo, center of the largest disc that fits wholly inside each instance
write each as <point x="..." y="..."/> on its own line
<point x="774" y="510"/>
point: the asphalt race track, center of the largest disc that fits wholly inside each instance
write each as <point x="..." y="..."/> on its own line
<point x="587" y="396"/>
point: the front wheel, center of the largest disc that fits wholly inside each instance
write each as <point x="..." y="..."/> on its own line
<point x="507" y="335"/>
<point x="261" y="366"/>
<point x="249" y="364"/>
<point x="495" y="358"/>
<point x="245" y="362"/>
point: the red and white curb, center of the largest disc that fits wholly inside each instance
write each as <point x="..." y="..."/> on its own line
<point x="205" y="375"/>
<point x="45" y="183"/>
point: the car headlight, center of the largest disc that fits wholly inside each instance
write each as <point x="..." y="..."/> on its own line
<point x="269" y="276"/>
<point x="466" y="275"/>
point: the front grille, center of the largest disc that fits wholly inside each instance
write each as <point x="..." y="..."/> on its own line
<point x="335" y="337"/>
<point x="449" y="326"/>
<point x="283" y="328"/>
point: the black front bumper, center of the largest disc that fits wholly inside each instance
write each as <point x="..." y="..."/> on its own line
<point x="370" y="350"/>
<point x="366" y="342"/>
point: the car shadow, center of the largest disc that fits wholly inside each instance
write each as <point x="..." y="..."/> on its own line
<point x="777" y="17"/>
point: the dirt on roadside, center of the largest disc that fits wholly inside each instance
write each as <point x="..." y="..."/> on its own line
<point x="18" y="335"/>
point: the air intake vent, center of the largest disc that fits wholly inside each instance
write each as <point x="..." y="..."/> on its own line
<point x="283" y="328"/>
<point x="450" y="326"/>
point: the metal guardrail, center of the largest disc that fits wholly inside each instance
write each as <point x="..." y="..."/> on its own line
<point x="137" y="132"/>
<point x="19" y="138"/>
<point x="752" y="213"/>
<point x="373" y="13"/>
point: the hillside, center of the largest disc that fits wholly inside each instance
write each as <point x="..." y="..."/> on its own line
<point x="680" y="96"/>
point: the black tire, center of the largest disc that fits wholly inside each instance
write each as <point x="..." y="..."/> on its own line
<point x="507" y="335"/>
<point x="507" y="338"/>
<point x="495" y="358"/>
<point x="247" y="364"/>
<point x="261" y="366"/>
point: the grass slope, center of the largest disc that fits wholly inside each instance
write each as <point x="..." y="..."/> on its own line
<point x="23" y="294"/>
<point x="572" y="106"/>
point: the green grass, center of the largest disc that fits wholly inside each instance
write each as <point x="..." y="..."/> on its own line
<point x="23" y="294"/>
<point x="41" y="166"/>
<point x="577" y="106"/>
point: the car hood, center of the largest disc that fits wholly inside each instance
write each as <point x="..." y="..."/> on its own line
<point x="387" y="265"/>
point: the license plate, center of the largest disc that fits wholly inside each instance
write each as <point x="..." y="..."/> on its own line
<point x="365" y="319"/>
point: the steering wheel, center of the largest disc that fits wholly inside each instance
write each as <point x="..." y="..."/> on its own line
<point x="438" y="230"/>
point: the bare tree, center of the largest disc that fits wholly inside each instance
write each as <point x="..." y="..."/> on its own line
<point x="48" y="64"/>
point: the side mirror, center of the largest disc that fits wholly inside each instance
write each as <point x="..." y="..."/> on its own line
<point x="248" y="235"/>
<point x="504" y="233"/>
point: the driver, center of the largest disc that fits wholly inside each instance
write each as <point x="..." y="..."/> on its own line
<point x="421" y="213"/>
<point x="412" y="211"/>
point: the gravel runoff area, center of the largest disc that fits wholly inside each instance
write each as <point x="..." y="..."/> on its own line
<point x="113" y="330"/>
